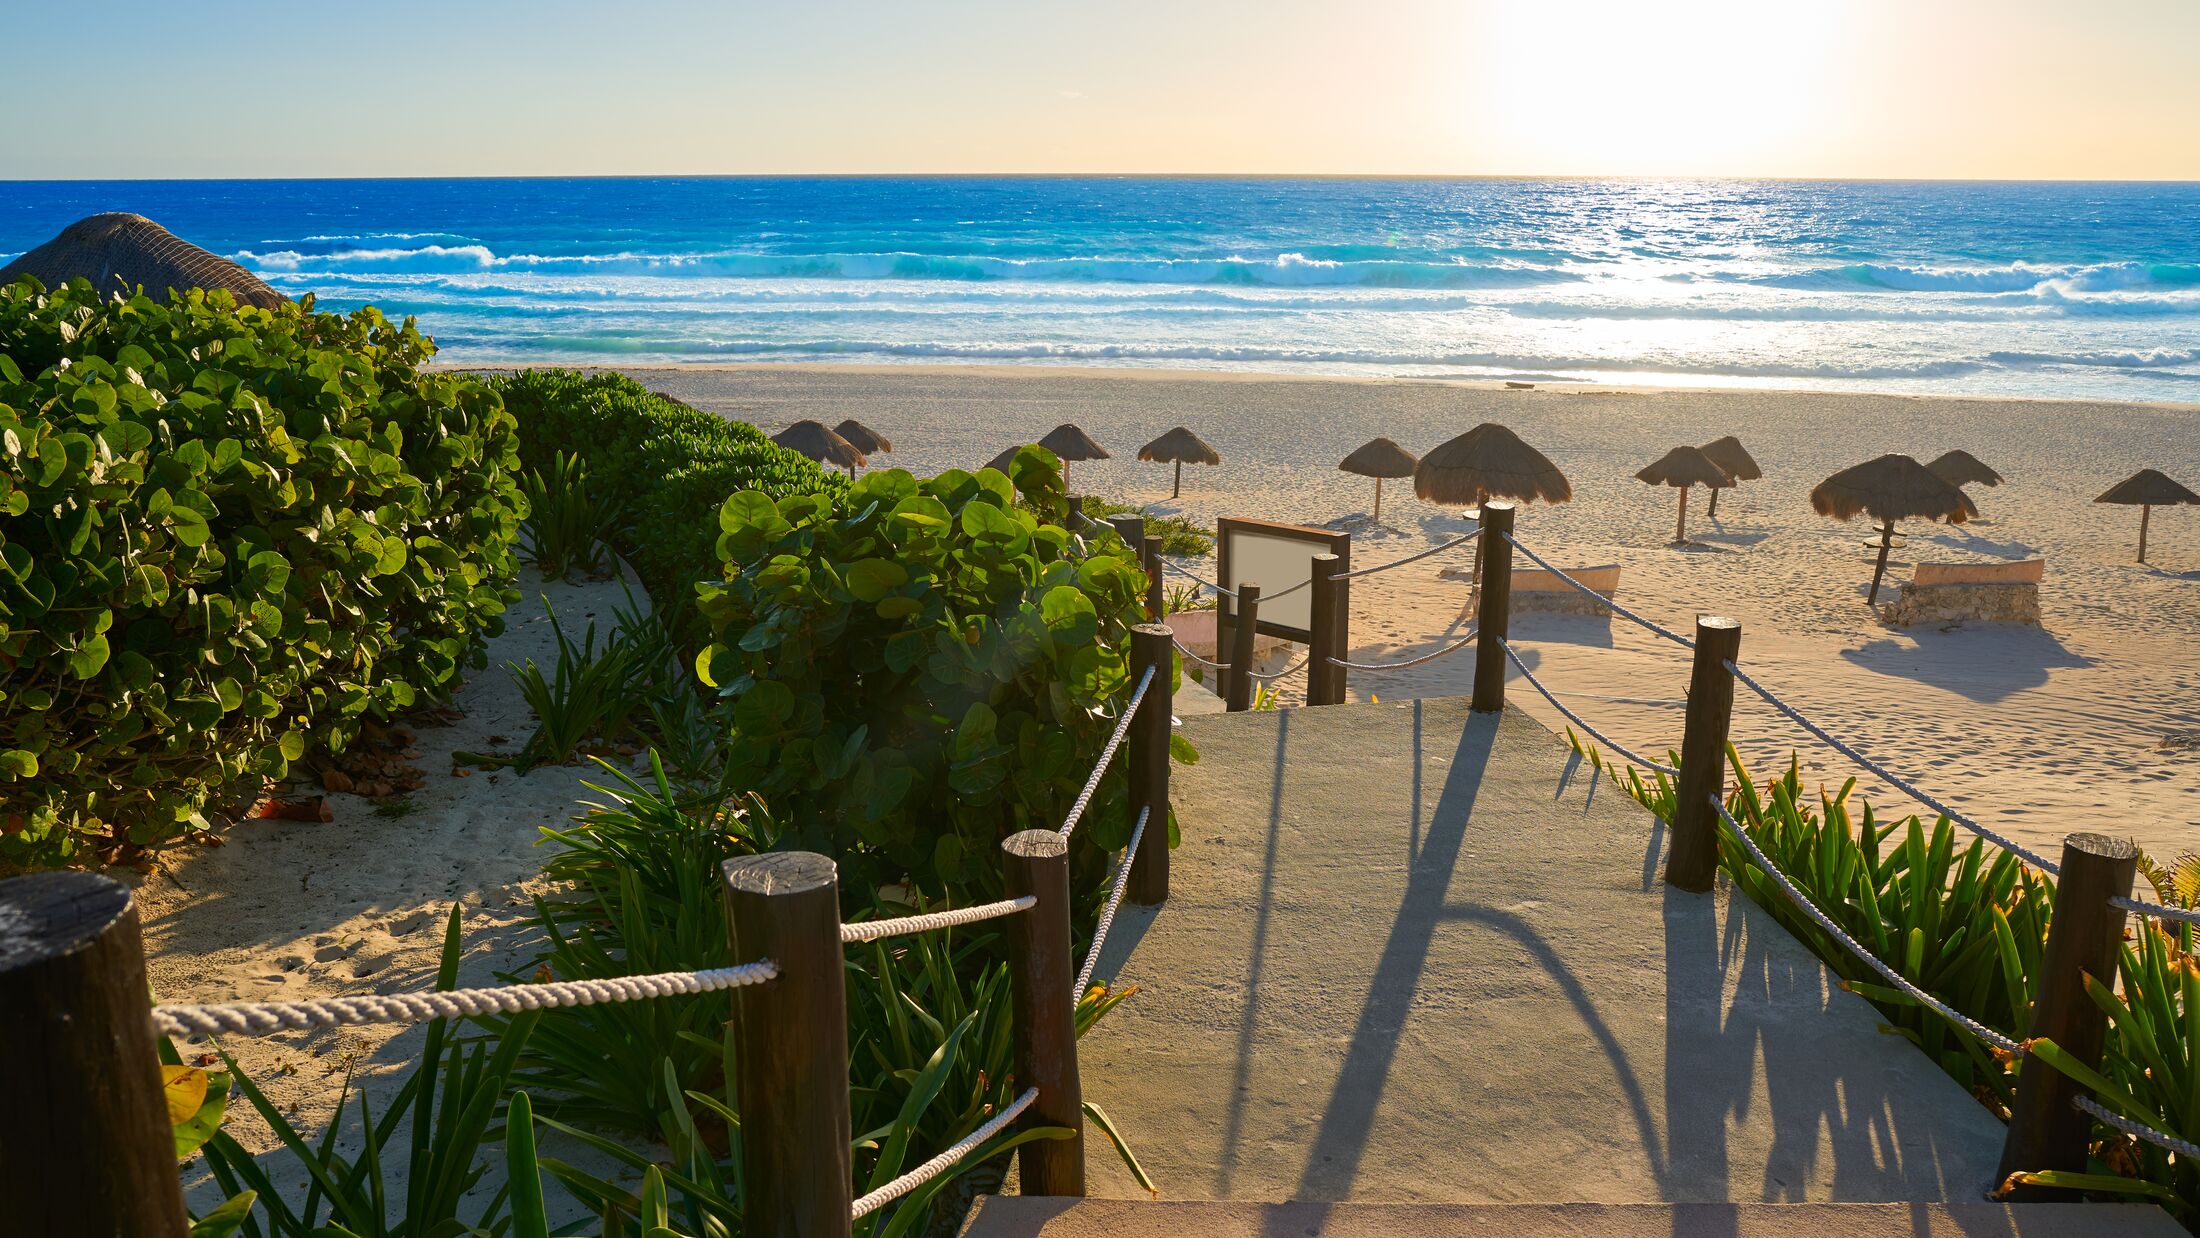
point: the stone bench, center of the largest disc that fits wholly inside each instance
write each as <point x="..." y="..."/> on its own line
<point x="1536" y="591"/>
<point x="2007" y="592"/>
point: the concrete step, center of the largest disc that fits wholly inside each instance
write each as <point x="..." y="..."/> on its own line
<point x="1009" y="1216"/>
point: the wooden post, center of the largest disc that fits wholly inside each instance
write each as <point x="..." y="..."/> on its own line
<point x="1886" y="542"/>
<point x="2146" y="510"/>
<point x="2045" y="1130"/>
<point x="1692" y="859"/>
<point x="1244" y="631"/>
<point x="1154" y="599"/>
<point x="1714" y="512"/>
<point x="793" y="1037"/>
<point x="1493" y="609"/>
<point x="1329" y="620"/>
<point x="1042" y="987"/>
<point x="83" y="1083"/>
<point x="1132" y="529"/>
<point x="1075" y="520"/>
<point x="1148" y="741"/>
<point x="1680" y="524"/>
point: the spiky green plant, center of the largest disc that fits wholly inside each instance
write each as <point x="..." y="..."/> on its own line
<point x="569" y="524"/>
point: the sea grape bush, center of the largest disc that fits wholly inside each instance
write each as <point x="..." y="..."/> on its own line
<point x="227" y="534"/>
<point x="911" y="670"/>
<point x="667" y="467"/>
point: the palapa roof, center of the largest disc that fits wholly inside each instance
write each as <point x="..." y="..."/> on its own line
<point x="1729" y="454"/>
<point x="1686" y="466"/>
<point x="862" y="437"/>
<point x="812" y="439"/>
<point x="2148" y="486"/>
<point x="1488" y="462"/>
<point x="1007" y="457"/>
<point x="1379" y="457"/>
<point x="1892" y="487"/>
<point x="1961" y="468"/>
<point x="1067" y="442"/>
<point x="1180" y="446"/>
<point x="118" y="252"/>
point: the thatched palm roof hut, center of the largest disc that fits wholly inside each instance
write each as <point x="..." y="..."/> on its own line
<point x="1890" y="488"/>
<point x="1729" y="454"/>
<point x="1068" y="443"/>
<point x="2148" y="489"/>
<point x="812" y="439"/>
<point x="1488" y="462"/>
<point x="118" y="252"/>
<point x="1379" y="458"/>
<point x="1684" y="467"/>
<point x="1180" y="447"/>
<point x="1961" y="468"/>
<point x="1007" y="457"/>
<point x="863" y="438"/>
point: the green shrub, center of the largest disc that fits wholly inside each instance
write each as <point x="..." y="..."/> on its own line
<point x="1180" y="538"/>
<point x="667" y="467"/>
<point x="568" y="524"/>
<point x="913" y="670"/>
<point x="224" y="532"/>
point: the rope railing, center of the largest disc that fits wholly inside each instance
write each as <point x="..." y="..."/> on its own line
<point x="268" y="1018"/>
<point x="944" y="1161"/>
<point x="1107" y="912"/>
<point x="1577" y="719"/>
<point x="1107" y="754"/>
<point x="1902" y="784"/>
<point x="1893" y="977"/>
<point x="1196" y="578"/>
<point x="1409" y="663"/>
<point x="1411" y="558"/>
<point x="1209" y="663"/>
<point x="932" y="921"/>
<point x="2187" y="915"/>
<point x="1606" y="599"/>
<point x="2137" y="1130"/>
<point x="1295" y="667"/>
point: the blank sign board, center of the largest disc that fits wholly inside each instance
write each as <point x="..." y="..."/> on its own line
<point x="1276" y="557"/>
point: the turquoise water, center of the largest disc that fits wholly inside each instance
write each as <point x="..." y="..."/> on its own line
<point x="2060" y="289"/>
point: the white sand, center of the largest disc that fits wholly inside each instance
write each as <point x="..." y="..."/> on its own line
<point x="287" y="910"/>
<point x="2041" y="731"/>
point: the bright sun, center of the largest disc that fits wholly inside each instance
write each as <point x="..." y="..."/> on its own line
<point x="1682" y="87"/>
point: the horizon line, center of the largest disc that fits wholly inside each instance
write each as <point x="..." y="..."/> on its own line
<point x="1215" y="176"/>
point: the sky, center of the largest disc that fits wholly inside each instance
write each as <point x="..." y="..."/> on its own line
<point x="2018" y="89"/>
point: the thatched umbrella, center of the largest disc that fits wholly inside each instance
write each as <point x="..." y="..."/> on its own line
<point x="1683" y="467"/>
<point x="1068" y="443"/>
<point x="1007" y="457"/>
<point x="2147" y="489"/>
<point x="1379" y="458"/>
<point x="812" y="439"/>
<point x="1180" y="446"/>
<point x="1890" y="488"/>
<point x="119" y="252"/>
<point x="1488" y="462"/>
<point x="1729" y="454"/>
<point x="863" y="438"/>
<point x="1961" y="468"/>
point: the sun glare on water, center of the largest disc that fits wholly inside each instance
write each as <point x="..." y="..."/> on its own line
<point x="1682" y="88"/>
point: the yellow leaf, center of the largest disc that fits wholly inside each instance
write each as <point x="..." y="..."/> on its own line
<point x="185" y="1087"/>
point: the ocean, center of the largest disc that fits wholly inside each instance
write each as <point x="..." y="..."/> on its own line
<point x="2052" y="289"/>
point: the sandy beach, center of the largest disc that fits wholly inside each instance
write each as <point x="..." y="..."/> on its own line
<point x="2038" y="731"/>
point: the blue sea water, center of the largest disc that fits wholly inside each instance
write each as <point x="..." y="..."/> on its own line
<point x="2062" y="289"/>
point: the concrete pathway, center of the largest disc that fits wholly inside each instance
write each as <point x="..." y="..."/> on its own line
<point x="1415" y="954"/>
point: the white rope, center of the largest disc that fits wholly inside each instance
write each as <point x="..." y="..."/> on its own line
<point x="1452" y="648"/>
<point x="1107" y="913"/>
<point x="2030" y="856"/>
<point x="1893" y="977"/>
<point x="1197" y="579"/>
<point x="1577" y="719"/>
<point x="1617" y="609"/>
<point x="268" y="1018"/>
<point x="943" y="1162"/>
<point x="1219" y="666"/>
<point x="1273" y="676"/>
<point x="2189" y="915"/>
<point x="1107" y="754"/>
<point x="2136" y="1130"/>
<point x="1412" y="558"/>
<point x="898" y="926"/>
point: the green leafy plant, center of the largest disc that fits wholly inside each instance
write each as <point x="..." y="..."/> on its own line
<point x="453" y="1100"/>
<point x="568" y="524"/>
<point x="1184" y="598"/>
<point x="226" y="534"/>
<point x="667" y="467"/>
<point x="590" y="694"/>
<point x="912" y="670"/>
